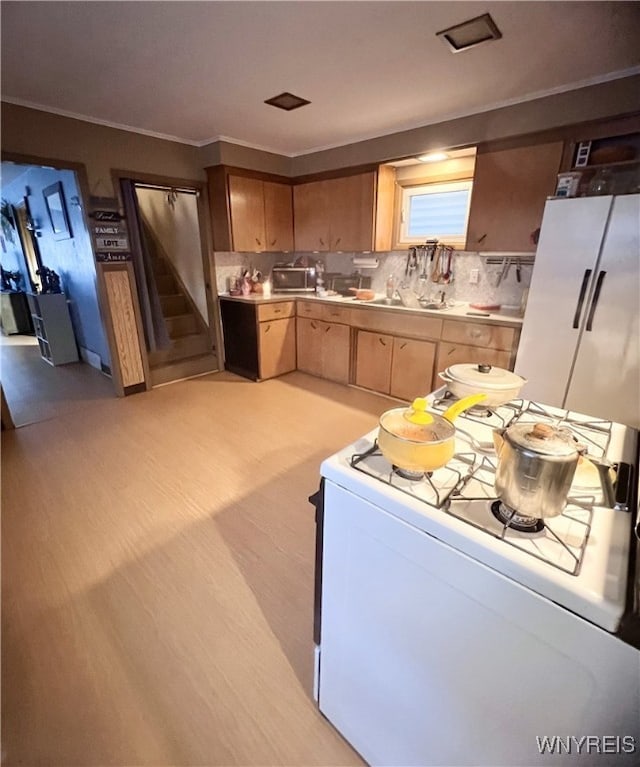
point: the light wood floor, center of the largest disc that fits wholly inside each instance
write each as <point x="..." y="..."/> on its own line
<point x="36" y="391"/>
<point x="157" y="576"/>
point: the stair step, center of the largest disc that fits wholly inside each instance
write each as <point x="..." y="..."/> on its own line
<point x="185" y="346"/>
<point x="166" y="284"/>
<point x="174" y="304"/>
<point x="181" y="325"/>
<point x="192" y="366"/>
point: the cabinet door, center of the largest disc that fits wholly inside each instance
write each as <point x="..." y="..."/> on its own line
<point x="277" y="347"/>
<point x="351" y="210"/>
<point x="278" y="216"/>
<point x="453" y="354"/>
<point x="373" y="361"/>
<point x="510" y="189"/>
<point x="411" y="368"/>
<point x="246" y="201"/>
<point x="336" y="352"/>
<point x="311" y="216"/>
<point x="309" y="345"/>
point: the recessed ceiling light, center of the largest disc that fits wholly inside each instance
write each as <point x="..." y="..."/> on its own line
<point x="433" y="157"/>
<point x="470" y="33"/>
<point x="287" y="101"/>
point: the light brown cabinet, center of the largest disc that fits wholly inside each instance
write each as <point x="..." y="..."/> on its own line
<point x="277" y="347"/>
<point x="249" y="213"/>
<point x="324" y="349"/>
<point x="335" y="214"/>
<point x="411" y="368"/>
<point x="510" y="188"/>
<point x="374" y="352"/>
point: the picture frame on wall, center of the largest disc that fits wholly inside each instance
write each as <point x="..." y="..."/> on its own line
<point x="57" y="210"/>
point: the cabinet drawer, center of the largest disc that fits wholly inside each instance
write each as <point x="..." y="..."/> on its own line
<point x="310" y="309"/>
<point x="340" y="314"/>
<point x="478" y="334"/>
<point x="278" y="311"/>
<point x="402" y="324"/>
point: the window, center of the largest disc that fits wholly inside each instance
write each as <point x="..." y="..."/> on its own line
<point x="435" y="211"/>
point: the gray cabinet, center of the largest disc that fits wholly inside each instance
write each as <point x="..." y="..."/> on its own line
<point x="53" y="328"/>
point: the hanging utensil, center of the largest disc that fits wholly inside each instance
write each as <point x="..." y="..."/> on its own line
<point x="446" y="277"/>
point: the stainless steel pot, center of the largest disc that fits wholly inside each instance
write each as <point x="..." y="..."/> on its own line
<point x="536" y="465"/>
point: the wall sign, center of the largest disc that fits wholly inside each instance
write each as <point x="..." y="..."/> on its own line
<point x="110" y="235"/>
<point x="111" y="257"/>
<point x="106" y="215"/>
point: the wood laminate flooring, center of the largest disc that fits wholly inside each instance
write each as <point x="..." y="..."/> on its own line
<point x="157" y="576"/>
<point x="37" y="391"/>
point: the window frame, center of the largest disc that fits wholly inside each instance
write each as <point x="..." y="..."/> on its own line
<point x="407" y="191"/>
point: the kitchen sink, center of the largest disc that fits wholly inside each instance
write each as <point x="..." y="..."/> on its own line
<point x="386" y="302"/>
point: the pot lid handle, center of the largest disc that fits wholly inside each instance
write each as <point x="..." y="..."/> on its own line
<point x="484" y="368"/>
<point x="417" y="413"/>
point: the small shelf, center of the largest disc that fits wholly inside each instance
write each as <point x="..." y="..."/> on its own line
<point x="618" y="164"/>
<point x="53" y="328"/>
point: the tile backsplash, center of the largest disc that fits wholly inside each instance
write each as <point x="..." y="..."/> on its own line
<point x="485" y="291"/>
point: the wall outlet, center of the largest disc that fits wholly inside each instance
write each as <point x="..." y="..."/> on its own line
<point x="474" y="276"/>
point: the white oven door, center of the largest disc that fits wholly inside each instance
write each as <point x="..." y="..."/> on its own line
<point x="428" y="657"/>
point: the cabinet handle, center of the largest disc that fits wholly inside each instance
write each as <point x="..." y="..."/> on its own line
<point x="475" y="333"/>
<point x="583" y="290"/>
<point x="384" y="343"/>
<point x="274" y="242"/>
<point x="403" y="345"/>
<point x="314" y="326"/>
<point x="267" y="328"/>
<point x="337" y="241"/>
<point x="327" y="329"/>
<point x="277" y="311"/>
<point x="480" y="239"/>
<point x="258" y="241"/>
<point x="321" y="242"/>
<point x="594" y="300"/>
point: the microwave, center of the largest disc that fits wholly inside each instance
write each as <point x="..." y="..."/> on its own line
<point x="293" y="279"/>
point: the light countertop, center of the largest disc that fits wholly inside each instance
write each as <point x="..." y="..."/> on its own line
<point x="460" y="311"/>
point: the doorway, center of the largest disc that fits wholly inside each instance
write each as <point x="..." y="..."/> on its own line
<point x="170" y="256"/>
<point x="54" y="350"/>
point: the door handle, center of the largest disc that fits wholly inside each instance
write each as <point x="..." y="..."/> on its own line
<point x="594" y="300"/>
<point x="583" y="290"/>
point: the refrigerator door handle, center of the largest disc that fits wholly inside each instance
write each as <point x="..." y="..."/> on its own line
<point x="583" y="290"/>
<point x="594" y="301"/>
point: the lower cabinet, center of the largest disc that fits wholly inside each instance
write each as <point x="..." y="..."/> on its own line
<point x="324" y="349"/>
<point x="411" y="368"/>
<point x="277" y="347"/>
<point x="401" y="367"/>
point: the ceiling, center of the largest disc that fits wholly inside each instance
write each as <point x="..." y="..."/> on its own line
<point x="199" y="72"/>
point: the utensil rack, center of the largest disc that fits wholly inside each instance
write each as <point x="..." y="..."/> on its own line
<point x="506" y="261"/>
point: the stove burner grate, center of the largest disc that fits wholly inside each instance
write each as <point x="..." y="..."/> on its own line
<point x="413" y="476"/>
<point x="511" y="519"/>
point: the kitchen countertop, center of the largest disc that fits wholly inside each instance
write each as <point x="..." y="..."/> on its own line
<point x="460" y="311"/>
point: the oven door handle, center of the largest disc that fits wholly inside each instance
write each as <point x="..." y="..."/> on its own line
<point x="624" y="476"/>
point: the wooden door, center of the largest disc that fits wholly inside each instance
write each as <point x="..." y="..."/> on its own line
<point x="373" y="361"/>
<point x="277" y="347"/>
<point x="352" y="211"/>
<point x="278" y="216"/>
<point x="246" y="201"/>
<point x="510" y="188"/>
<point x="309" y="345"/>
<point x="311" y="215"/>
<point x="412" y="368"/>
<point x="336" y="352"/>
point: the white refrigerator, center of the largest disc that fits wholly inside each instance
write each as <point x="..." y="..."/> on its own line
<point x="580" y="342"/>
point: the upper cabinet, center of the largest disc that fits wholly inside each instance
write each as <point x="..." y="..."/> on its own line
<point x="510" y="189"/>
<point x="348" y="213"/>
<point x="249" y="213"/>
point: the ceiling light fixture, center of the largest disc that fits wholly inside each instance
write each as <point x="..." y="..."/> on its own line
<point x="286" y="101"/>
<point x="470" y="33"/>
<point x="433" y="157"/>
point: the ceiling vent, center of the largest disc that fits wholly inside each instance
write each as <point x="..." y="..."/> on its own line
<point x="470" y="33"/>
<point x="287" y="101"/>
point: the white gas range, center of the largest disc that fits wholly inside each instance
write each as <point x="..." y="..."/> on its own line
<point x="438" y="622"/>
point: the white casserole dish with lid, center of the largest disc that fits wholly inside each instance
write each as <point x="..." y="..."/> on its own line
<point x="498" y="384"/>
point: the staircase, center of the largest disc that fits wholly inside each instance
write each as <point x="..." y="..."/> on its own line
<point x="191" y="351"/>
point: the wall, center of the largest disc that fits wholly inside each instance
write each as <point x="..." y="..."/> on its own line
<point x="101" y="149"/>
<point x="71" y="258"/>
<point x="178" y="230"/>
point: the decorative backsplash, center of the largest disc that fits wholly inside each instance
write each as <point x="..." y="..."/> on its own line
<point x="486" y="291"/>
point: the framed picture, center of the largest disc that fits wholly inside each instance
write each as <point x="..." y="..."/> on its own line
<point x="54" y="198"/>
